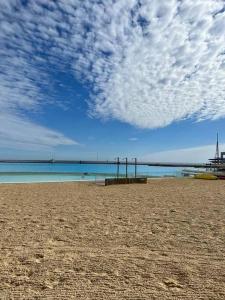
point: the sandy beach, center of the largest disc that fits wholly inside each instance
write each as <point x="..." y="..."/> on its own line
<point x="162" y="240"/>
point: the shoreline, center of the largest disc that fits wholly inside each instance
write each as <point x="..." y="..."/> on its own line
<point x="86" y="180"/>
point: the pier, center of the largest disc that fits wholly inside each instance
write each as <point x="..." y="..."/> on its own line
<point x="116" y="162"/>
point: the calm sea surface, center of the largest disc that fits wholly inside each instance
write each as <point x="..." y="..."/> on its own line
<point x="74" y="172"/>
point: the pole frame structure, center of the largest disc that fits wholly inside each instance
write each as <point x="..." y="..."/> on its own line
<point x="135" y="167"/>
<point x="118" y="167"/>
<point x="126" y="167"/>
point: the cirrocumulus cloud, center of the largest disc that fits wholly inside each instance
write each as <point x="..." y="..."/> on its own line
<point x="147" y="62"/>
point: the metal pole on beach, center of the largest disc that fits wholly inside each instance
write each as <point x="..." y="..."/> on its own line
<point x="118" y="167"/>
<point x="126" y="166"/>
<point x="135" y="167"/>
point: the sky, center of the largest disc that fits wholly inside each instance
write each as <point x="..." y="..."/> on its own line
<point x="101" y="79"/>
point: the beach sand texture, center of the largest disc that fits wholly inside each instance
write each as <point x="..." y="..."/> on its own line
<point x="162" y="240"/>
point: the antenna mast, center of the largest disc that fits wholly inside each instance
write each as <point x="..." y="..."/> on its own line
<point x="217" y="155"/>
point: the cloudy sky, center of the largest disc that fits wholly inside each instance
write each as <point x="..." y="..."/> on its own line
<point x="127" y="77"/>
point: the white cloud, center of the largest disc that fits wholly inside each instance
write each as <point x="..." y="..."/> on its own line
<point x="187" y="155"/>
<point x="22" y="82"/>
<point x="155" y="62"/>
<point x="17" y="132"/>
<point x="149" y="63"/>
<point x="133" y="139"/>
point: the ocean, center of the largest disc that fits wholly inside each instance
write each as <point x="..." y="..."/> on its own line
<point x="50" y="172"/>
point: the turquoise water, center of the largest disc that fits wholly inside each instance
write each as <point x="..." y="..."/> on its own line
<point x="51" y="172"/>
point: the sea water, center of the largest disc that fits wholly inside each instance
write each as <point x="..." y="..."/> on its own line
<point x="51" y="172"/>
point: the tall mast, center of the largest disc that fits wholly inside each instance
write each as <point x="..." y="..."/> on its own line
<point x="217" y="155"/>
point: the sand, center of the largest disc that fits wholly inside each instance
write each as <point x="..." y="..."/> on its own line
<point x="162" y="240"/>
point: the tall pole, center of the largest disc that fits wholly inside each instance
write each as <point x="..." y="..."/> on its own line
<point x="126" y="166"/>
<point x="217" y="156"/>
<point x="135" y="166"/>
<point x="118" y="167"/>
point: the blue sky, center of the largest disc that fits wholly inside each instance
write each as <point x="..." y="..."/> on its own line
<point x="95" y="78"/>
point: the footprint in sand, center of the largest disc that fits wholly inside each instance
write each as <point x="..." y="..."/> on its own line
<point x="171" y="283"/>
<point x="56" y="241"/>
